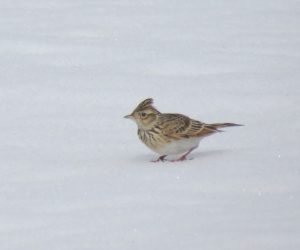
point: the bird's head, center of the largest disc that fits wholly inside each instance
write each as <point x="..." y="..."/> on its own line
<point x="144" y="114"/>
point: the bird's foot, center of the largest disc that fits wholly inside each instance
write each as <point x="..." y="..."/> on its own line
<point x="161" y="158"/>
<point x="182" y="158"/>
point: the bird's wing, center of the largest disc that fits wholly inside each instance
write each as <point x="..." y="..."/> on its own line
<point x="177" y="126"/>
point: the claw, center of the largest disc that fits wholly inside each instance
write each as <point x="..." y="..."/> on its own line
<point x="161" y="158"/>
<point x="182" y="158"/>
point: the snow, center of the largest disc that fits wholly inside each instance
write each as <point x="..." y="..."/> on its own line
<point x="73" y="173"/>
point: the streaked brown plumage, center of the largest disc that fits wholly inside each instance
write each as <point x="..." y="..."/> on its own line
<point x="170" y="134"/>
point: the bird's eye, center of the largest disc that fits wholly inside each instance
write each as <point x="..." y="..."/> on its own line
<point x="143" y="114"/>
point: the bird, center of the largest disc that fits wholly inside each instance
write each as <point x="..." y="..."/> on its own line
<point x="169" y="134"/>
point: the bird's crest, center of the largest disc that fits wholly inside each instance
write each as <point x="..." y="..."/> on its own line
<point x="146" y="104"/>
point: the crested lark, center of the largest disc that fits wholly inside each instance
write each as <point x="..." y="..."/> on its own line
<point x="170" y="134"/>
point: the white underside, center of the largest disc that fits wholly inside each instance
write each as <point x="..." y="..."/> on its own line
<point x="178" y="147"/>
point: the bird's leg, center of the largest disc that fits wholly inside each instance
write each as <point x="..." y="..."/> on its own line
<point x="161" y="158"/>
<point x="183" y="157"/>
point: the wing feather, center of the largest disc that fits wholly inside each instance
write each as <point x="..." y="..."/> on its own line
<point x="177" y="126"/>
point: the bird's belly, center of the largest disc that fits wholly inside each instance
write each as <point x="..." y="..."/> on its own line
<point x="178" y="146"/>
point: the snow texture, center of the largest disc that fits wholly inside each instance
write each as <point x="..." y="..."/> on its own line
<point x="73" y="173"/>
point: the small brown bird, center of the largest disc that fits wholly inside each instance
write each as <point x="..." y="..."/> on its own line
<point x="171" y="134"/>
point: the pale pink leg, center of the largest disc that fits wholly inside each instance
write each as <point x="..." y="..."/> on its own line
<point x="161" y="158"/>
<point x="183" y="158"/>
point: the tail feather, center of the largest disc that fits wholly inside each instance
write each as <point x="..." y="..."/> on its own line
<point x="224" y="125"/>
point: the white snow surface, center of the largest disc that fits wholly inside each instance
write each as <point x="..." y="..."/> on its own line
<point x="73" y="173"/>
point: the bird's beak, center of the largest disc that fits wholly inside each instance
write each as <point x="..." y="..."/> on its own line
<point x="128" y="116"/>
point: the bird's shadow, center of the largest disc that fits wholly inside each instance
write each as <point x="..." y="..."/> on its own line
<point x="208" y="153"/>
<point x="193" y="156"/>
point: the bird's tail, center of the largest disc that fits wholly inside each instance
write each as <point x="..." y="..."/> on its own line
<point x="224" y="125"/>
<point x="215" y="126"/>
